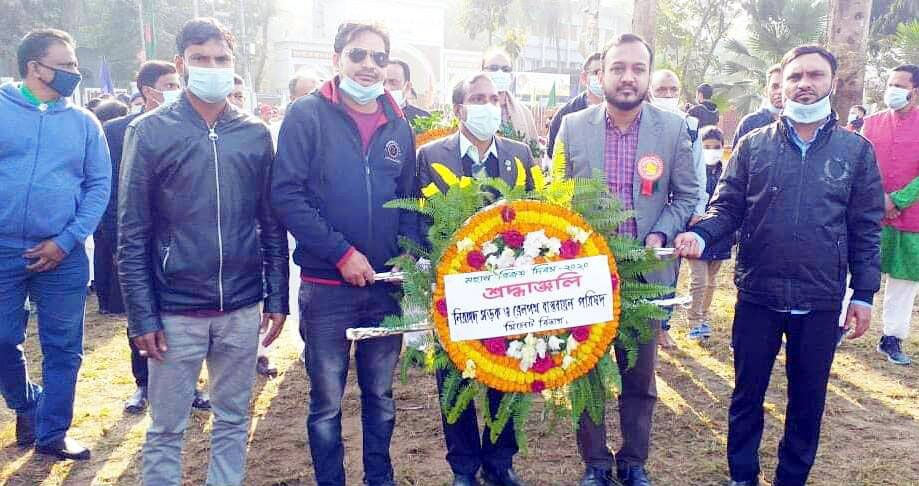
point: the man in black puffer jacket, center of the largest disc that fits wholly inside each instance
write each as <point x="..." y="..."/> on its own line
<point x="202" y="259"/>
<point x="806" y="195"/>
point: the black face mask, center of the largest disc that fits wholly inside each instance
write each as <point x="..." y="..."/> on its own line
<point x="857" y="124"/>
<point x="64" y="82"/>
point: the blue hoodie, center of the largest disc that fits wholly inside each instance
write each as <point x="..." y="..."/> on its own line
<point x="55" y="172"/>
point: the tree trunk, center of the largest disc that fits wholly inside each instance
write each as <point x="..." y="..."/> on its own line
<point x="848" y="41"/>
<point x="644" y="19"/>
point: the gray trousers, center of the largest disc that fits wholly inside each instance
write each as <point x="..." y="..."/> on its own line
<point x="229" y="344"/>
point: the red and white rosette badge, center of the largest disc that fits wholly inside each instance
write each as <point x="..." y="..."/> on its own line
<point x="650" y="169"/>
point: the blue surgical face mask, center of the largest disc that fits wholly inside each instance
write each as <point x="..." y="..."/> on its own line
<point x="593" y="84"/>
<point x="502" y="80"/>
<point x="64" y="82"/>
<point x="767" y="104"/>
<point x="895" y="97"/>
<point x="483" y="120"/>
<point x="362" y="95"/>
<point x="811" y="113"/>
<point x="399" y="96"/>
<point x="212" y="85"/>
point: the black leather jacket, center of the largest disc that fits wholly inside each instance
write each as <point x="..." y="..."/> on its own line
<point x="804" y="222"/>
<point x="196" y="230"/>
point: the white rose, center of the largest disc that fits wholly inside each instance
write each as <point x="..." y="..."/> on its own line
<point x="515" y="349"/>
<point x="507" y="259"/>
<point x="524" y="260"/>
<point x="555" y="343"/>
<point x="489" y="249"/>
<point x="541" y="348"/>
<point x="571" y="344"/>
<point x="554" y="245"/>
<point x="567" y="361"/>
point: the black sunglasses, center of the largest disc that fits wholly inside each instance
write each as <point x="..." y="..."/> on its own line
<point x="495" y="68"/>
<point x="358" y="54"/>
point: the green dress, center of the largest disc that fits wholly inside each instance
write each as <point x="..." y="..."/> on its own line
<point x="900" y="249"/>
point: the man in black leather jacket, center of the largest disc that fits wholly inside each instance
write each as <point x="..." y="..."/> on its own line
<point x="806" y="195"/>
<point x="202" y="259"/>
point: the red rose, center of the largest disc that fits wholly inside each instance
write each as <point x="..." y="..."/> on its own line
<point x="496" y="345"/>
<point x="442" y="307"/>
<point x="581" y="334"/>
<point x="615" y="280"/>
<point x="538" y="386"/>
<point x="508" y="214"/>
<point x="512" y="238"/>
<point x="475" y="259"/>
<point x="570" y="249"/>
<point x="543" y="364"/>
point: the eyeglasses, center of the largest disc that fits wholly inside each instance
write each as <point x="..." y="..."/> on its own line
<point x="495" y="68"/>
<point x="358" y="54"/>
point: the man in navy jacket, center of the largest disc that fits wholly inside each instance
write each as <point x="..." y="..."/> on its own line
<point x="343" y="152"/>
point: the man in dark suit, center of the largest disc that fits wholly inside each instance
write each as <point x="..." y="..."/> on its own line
<point x="476" y="151"/>
<point x="399" y="84"/>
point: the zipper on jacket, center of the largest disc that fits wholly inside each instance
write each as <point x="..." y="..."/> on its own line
<point x="212" y="134"/>
<point x="165" y="260"/>
<point x="367" y="179"/>
<point x="25" y="212"/>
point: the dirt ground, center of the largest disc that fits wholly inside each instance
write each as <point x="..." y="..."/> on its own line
<point x="870" y="431"/>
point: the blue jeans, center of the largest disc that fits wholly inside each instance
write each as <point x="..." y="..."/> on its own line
<point x="61" y="297"/>
<point x="325" y="312"/>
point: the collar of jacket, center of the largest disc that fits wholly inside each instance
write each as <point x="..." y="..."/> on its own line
<point x="332" y="94"/>
<point x="184" y="105"/>
<point x="823" y="134"/>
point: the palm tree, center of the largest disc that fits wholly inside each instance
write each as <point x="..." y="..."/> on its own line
<point x="776" y="26"/>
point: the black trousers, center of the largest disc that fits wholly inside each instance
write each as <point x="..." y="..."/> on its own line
<point x="810" y="346"/>
<point x="138" y="365"/>
<point x="636" y="411"/>
<point x="105" y="273"/>
<point x="465" y="453"/>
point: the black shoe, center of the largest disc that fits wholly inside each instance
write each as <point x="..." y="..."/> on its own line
<point x="65" y="448"/>
<point x="633" y="476"/>
<point x="138" y="401"/>
<point x="753" y="482"/>
<point x="202" y="401"/>
<point x="596" y="477"/>
<point x="464" y="480"/>
<point x="265" y="368"/>
<point x="504" y="478"/>
<point x="25" y="429"/>
<point x="890" y="347"/>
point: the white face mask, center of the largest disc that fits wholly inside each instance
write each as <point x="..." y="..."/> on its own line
<point x="361" y="94"/>
<point x="767" y="104"/>
<point x="852" y="117"/>
<point x="667" y="104"/>
<point x="171" y="96"/>
<point x="712" y="156"/>
<point x="896" y="98"/>
<point x="502" y="80"/>
<point x="593" y="84"/>
<point x="399" y="96"/>
<point x="483" y="120"/>
<point x="811" y="113"/>
<point x="212" y="85"/>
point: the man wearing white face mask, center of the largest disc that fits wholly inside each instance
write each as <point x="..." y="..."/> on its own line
<point x="202" y="258"/>
<point x="665" y="92"/>
<point x="806" y="196"/>
<point x="476" y="151"/>
<point x="895" y="136"/>
<point x="592" y="95"/>
<point x="516" y="118"/>
<point x="344" y="151"/>
<point x="399" y="84"/>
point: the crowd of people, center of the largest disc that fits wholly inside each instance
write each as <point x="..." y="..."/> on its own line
<point x="191" y="199"/>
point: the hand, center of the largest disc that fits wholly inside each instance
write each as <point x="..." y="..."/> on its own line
<point x="357" y="270"/>
<point x="277" y="324"/>
<point x="687" y="245"/>
<point x="695" y="219"/>
<point x="47" y="256"/>
<point x="890" y="209"/>
<point x="152" y="345"/>
<point x="654" y="240"/>
<point x="862" y="316"/>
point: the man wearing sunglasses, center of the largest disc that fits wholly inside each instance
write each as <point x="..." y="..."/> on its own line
<point x="343" y="152"/>
<point x="516" y="118"/>
<point x="55" y="175"/>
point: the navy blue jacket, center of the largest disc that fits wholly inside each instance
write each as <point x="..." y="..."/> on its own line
<point x="330" y="195"/>
<point x="114" y="135"/>
<point x="752" y="121"/>
<point x="576" y="104"/>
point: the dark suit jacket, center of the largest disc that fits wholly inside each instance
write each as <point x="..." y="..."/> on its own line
<point x="446" y="151"/>
<point x="412" y="112"/>
<point x="114" y="135"/>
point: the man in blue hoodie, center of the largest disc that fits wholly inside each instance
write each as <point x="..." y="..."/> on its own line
<point x="56" y="174"/>
<point x="344" y="151"/>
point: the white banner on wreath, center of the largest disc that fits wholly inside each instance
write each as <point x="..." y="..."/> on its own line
<point x="520" y="300"/>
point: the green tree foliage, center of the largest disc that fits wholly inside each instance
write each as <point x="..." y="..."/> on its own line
<point x="484" y="16"/>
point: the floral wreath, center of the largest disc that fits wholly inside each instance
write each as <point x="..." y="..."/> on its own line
<point x="487" y="224"/>
<point x="517" y="234"/>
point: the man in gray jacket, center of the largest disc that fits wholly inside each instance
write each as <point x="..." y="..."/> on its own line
<point x="646" y="156"/>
